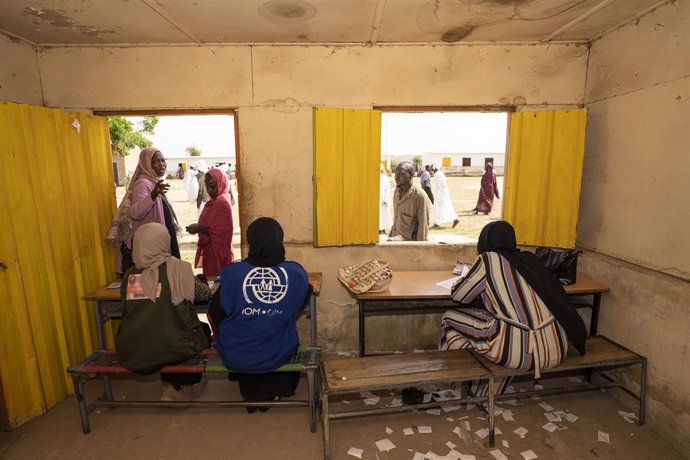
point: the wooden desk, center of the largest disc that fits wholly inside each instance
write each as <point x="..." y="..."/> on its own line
<point x="415" y="291"/>
<point x="102" y="296"/>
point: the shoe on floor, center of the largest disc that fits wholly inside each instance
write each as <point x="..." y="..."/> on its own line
<point x="171" y="394"/>
<point x="455" y="222"/>
<point x="198" y="388"/>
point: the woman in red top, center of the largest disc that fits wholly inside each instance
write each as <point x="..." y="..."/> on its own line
<point x="214" y="249"/>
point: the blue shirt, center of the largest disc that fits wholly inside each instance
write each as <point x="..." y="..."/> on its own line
<point x="259" y="333"/>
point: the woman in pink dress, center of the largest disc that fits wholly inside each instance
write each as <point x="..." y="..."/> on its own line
<point x="214" y="249"/>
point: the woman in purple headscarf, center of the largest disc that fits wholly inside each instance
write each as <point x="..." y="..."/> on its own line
<point x="487" y="191"/>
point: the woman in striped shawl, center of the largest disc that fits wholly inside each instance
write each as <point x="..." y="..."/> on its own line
<point x="524" y="319"/>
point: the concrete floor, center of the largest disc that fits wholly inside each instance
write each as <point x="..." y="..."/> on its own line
<point x="283" y="433"/>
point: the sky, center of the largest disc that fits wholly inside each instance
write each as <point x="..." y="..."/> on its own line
<point x="213" y="134"/>
<point x="402" y="133"/>
<point x="447" y="132"/>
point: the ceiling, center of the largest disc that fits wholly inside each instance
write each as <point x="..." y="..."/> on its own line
<point x="142" y="22"/>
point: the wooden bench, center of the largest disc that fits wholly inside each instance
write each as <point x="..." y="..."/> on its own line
<point x="384" y="372"/>
<point x="105" y="363"/>
<point x="602" y="354"/>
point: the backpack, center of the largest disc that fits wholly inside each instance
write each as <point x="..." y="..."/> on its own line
<point x="155" y="334"/>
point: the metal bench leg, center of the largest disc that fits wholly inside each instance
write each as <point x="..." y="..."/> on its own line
<point x="311" y="382"/>
<point x="81" y="403"/>
<point x="643" y="388"/>
<point x="107" y="388"/>
<point x="325" y="421"/>
<point x="492" y="439"/>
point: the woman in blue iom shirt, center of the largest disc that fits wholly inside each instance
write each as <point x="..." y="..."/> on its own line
<point x="260" y="297"/>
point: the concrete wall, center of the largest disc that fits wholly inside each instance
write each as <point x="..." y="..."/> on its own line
<point x="19" y="77"/>
<point x="634" y="203"/>
<point x="275" y="89"/>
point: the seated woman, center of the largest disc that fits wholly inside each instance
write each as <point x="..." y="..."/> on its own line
<point x="159" y="323"/>
<point x="524" y="319"/>
<point x="256" y="315"/>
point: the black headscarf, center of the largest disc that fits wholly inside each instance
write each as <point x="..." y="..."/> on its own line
<point x="265" y="237"/>
<point x="499" y="236"/>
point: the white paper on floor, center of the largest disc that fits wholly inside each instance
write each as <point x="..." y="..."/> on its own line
<point x="430" y="455"/>
<point x="466" y="457"/>
<point x="521" y="431"/>
<point x="512" y="402"/>
<point x="552" y="417"/>
<point x="445" y="395"/>
<point x="505" y="444"/>
<point x="427" y="398"/>
<point x="384" y="445"/>
<point x="497" y="430"/>
<point x="450" y="445"/>
<point x="604" y="437"/>
<point x="450" y="419"/>
<point x="418" y="456"/>
<point x="561" y="413"/>
<point x="345" y="401"/>
<point x="550" y="427"/>
<point x="575" y="379"/>
<point x="395" y="402"/>
<point x="572" y="418"/>
<point x="434" y="411"/>
<point x="469" y="406"/>
<point x="528" y="454"/>
<point x="355" y="452"/>
<point x="629" y="417"/>
<point x="423" y="429"/>
<point x="372" y="401"/>
<point x="389" y="431"/>
<point x="507" y="415"/>
<point x="408" y="431"/>
<point x="498" y="455"/>
<point x="545" y="406"/>
<point x="482" y="433"/>
<point x="538" y="386"/>
<point x="450" y="408"/>
<point x="466" y="424"/>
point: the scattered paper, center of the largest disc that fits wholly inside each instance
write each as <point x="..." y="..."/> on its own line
<point x="395" y="402"/>
<point x="418" y="456"/>
<point x="572" y="418"/>
<point x="450" y="445"/>
<point x="430" y="455"/>
<point x="408" y="431"/>
<point x="423" y="429"/>
<point x="545" y="406"/>
<point x="345" y="401"/>
<point x="505" y="444"/>
<point x="389" y="431"/>
<point x="575" y="379"/>
<point x="384" y="445"/>
<point x="498" y="455"/>
<point x="434" y="411"/>
<point x="355" y="452"/>
<point x="466" y="424"/>
<point x="448" y="284"/>
<point x="561" y="413"/>
<point x="521" y="431"/>
<point x="371" y="401"/>
<point x="450" y="408"/>
<point x="466" y="457"/>
<point x="427" y="398"/>
<point x="528" y="454"/>
<point x="550" y="427"/>
<point x="512" y="402"/>
<point x="538" y="386"/>
<point x="76" y="125"/>
<point x="482" y="433"/>
<point x="497" y="430"/>
<point x="114" y="285"/>
<point x="629" y="417"/>
<point x="507" y="415"/>
<point x="552" y="417"/>
<point x="604" y="437"/>
<point x="470" y="406"/>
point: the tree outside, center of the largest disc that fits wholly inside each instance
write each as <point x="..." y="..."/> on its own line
<point x="126" y="135"/>
<point x="193" y="151"/>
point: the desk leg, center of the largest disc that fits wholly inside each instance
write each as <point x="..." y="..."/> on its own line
<point x="361" y="327"/>
<point x="107" y="387"/>
<point x="312" y="319"/>
<point x="594" y="321"/>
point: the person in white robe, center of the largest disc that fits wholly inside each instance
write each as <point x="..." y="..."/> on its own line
<point x="443" y="210"/>
<point x="385" y="202"/>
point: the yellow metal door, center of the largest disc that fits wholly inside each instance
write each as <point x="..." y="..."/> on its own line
<point x="543" y="176"/>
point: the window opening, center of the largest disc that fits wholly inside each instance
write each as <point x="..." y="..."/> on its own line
<point x="191" y="144"/>
<point x="452" y="142"/>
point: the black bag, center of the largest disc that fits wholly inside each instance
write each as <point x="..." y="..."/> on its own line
<point x="561" y="262"/>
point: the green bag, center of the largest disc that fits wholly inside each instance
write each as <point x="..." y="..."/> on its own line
<point x="155" y="334"/>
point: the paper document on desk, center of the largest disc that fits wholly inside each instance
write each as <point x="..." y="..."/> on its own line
<point x="448" y="284"/>
<point x="114" y="285"/>
<point x="461" y="269"/>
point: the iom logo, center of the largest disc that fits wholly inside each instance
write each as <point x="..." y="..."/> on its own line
<point x="265" y="285"/>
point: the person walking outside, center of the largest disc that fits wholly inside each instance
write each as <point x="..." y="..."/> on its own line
<point x="425" y="180"/>
<point x="488" y="190"/>
<point x="444" y="212"/>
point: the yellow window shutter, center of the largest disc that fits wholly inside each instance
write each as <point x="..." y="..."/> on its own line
<point x="347" y="154"/>
<point x="543" y="176"/>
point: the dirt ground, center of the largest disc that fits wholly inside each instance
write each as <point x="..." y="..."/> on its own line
<point x="463" y="191"/>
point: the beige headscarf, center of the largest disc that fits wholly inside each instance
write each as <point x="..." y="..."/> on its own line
<point x="151" y="248"/>
<point x="122" y="225"/>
